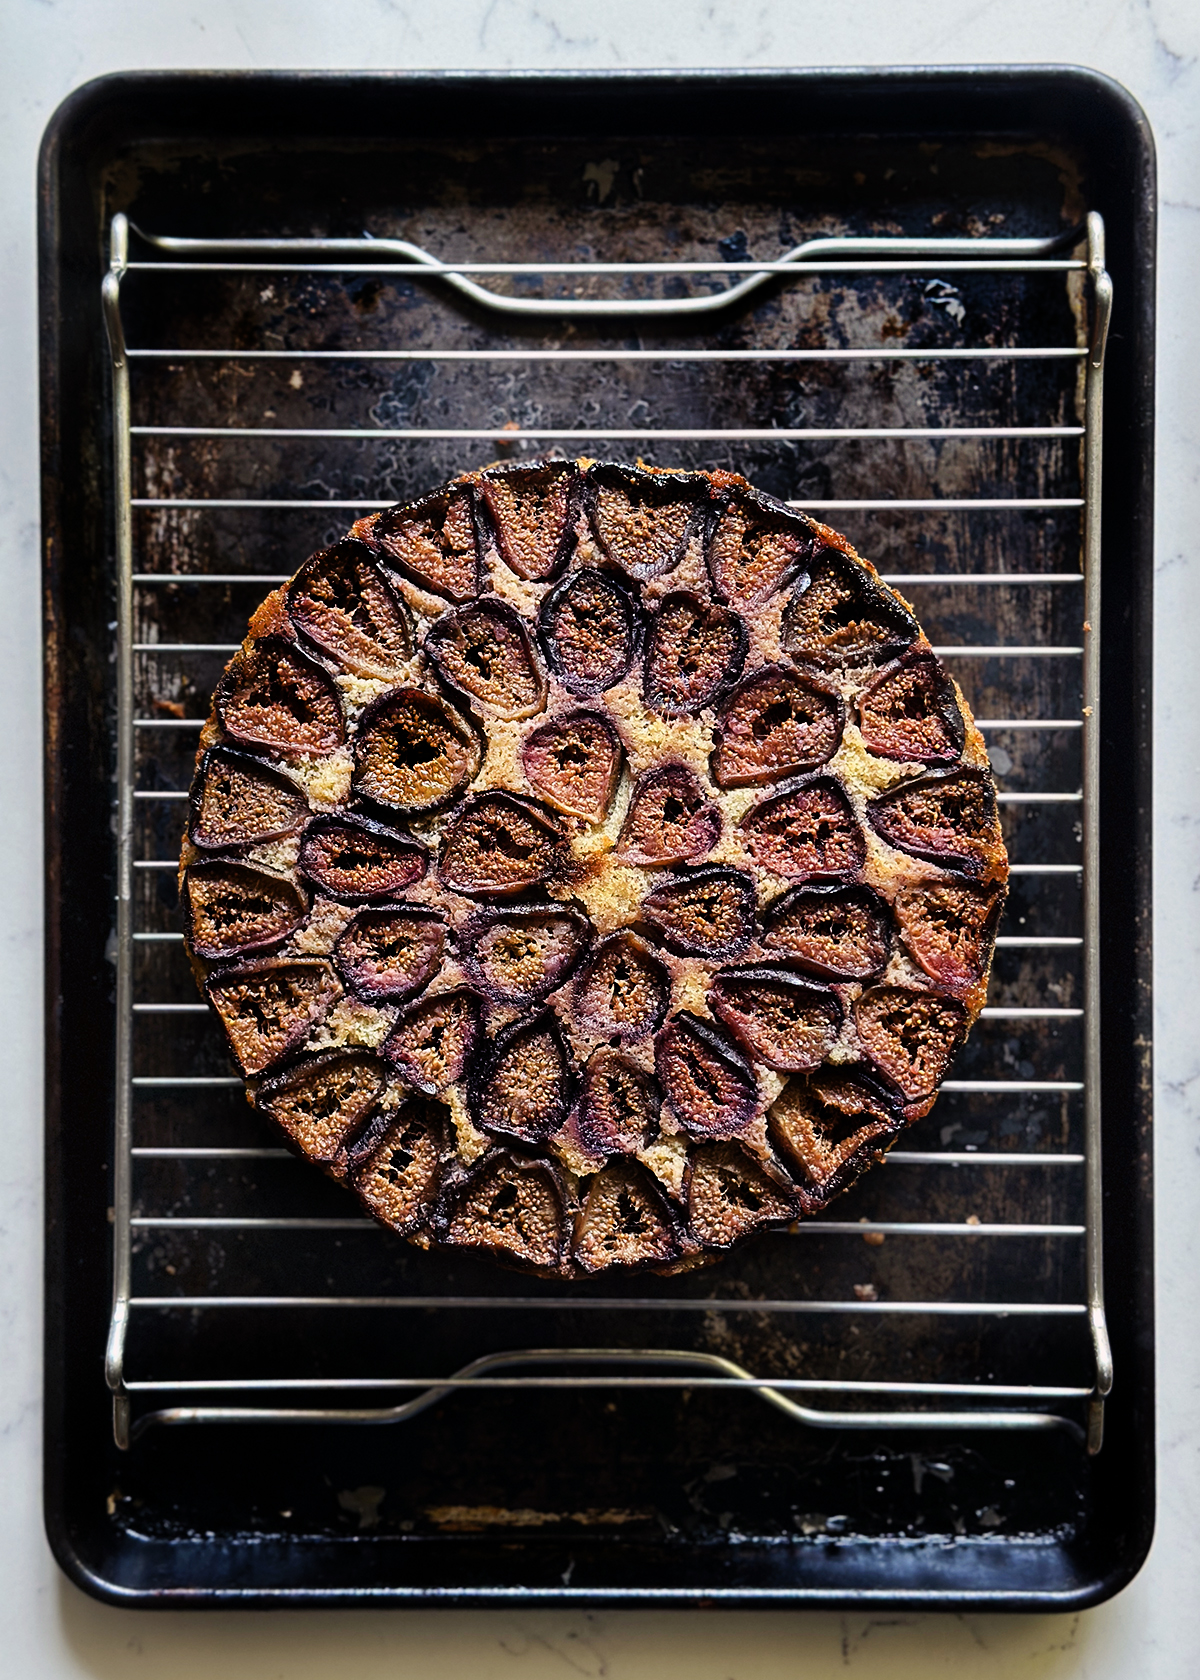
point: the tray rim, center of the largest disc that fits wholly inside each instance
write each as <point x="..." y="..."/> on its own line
<point x="81" y="120"/>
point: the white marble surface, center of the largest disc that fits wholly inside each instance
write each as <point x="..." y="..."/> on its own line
<point x="49" y="1630"/>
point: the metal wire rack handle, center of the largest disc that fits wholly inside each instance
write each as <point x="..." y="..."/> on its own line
<point x="877" y="254"/>
<point x="1016" y="253"/>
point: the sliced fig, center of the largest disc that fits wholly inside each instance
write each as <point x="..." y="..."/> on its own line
<point x="574" y="762"/>
<point x="828" y="1129"/>
<point x="534" y="508"/>
<point x="694" y="650"/>
<point x="839" y="615"/>
<point x="341" y="602"/>
<point x="730" y="1195"/>
<point x="706" y="1079"/>
<point x="806" y="832"/>
<point x="622" y="991"/>
<point x="391" y="953"/>
<point x="643" y="521"/>
<point x="756" y="546"/>
<point x="522" y="1088"/>
<point x="944" y="818"/>
<point x="949" y="929"/>
<point x="238" y="801"/>
<point x="483" y="652"/>
<point x="433" y="542"/>
<point x="837" y="933"/>
<point x="322" y="1103"/>
<point x="669" y="819"/>
<point x="909" y="1035"/>
<point x="624" y="1221"/>
<point x="773" y="725"/>
<point x="588" y="627"/>
<point x="276" y="697"/>
<point x="704" y="912"/>
<point x="355" y="859"/>
<point x="398" y="1181"/>
<point x="434" y="1039"/>
<point x="499" y="843"/>
<point x="229" y="909"/>
<point x="911" y="713"/>
<point x="270" y="1008"/>
<point x="789" y="1023"/>
<point x="519" y="954"/>
<point x="619" y="1106"/>
<point x="414" y="753"/>
<point x="510" y="1206"/>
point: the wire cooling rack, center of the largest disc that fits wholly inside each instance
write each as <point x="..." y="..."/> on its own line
<point x="193" y="1206"/>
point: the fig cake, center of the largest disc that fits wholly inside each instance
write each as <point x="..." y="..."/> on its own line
<point x="591" y="865"/>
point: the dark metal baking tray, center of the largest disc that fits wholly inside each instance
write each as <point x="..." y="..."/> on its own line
<point x="650" y="1496"/>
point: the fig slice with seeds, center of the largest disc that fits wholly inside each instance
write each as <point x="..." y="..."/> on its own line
<point x="522" y="1088"/>
<point x="622" y="991"/>
<point x="944" y="818"/>
<point x="275" y="697"/>
<point x="827" y="1130"/>
<point x="392" y="952"/>
<point x="270" y="1008"/>
<point x="518" y="954"/>
<point x="643" y="521"/>
<point x="510" y="1206"/>
<point x="755" y="547"/>
<point x="694" y="650"/>
<point x="835" y="932"/>
<point x="772" y="726"/>
<point x="909" y="1035"/>
<point x="789" y="1023"/>
<point x="534" y="508"/>
<point x="704" y="912"/>
<point x="619" y="1106"/>
<point x="499" y="843"/>
<point x="624" y="1221"/>
<point x="397" y="1181"/>
<point x="323" y="1101"/>
<point x="911" y="713"/>
<point x="588" y="628"/>
<point x="341" y="602"/>
<point x="806" y="832"/>
<point x="669" y="819"/>
<point x="706" y="1079"/>
<point x="730" y="1195"/>
<point x="483" y="652"/>
<point x="229" y="909"/>
<point x="353" y="859"/>
<point x="574" y="762"/>
<point x="432" y="541"/>
<point x="413" y="753"/>
<point x="950" y="929"/>
<point x="433" y="1040"/>
<point x="839" y="615"/>
<point x="237" y="800"/>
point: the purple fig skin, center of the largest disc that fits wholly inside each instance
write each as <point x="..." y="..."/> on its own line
<point x="333" y="593"/>
<point x="274" y="698"/>
<point x="643" y="521"/>
<point x="521" y="1088"/>
<point x="707" y="911"/>
<point x="433" y="541"/>
<point x="510" y="1206"/>
<point x="786" y="1022"/>
<point x="237" y="800"/>
<point x="707" y="1081"/>
<point x="806" y="831"/>
<point x="947" y="818"/>
<point x="574" y="762"/>
<point x="625" y="1220"/>
<point x="670" y="820"/>
<point x="353" y="859"/>
<point x="589" y="629"/>
<point x="533" y="509"/>
<point x="483" y="653"/>
<point x="434" y="1039"/>
<point x="230" y="910"/>
<point x="774" y="725"/>
<point x="694" y="650"/>
<point x="756" y="546"/>
<point x="619" y="1104"/>
<point x="623" y="990"/>
<point x="391" y="952"/>
<point x="519" y="954"/>
<point x="839" y="616"/>
<point x="500" y="843"/>
<point x="730" y="1194"/>
<point x="834" y="932"/>
<point x="414" y="754"/>
<point x="910" y="713"/>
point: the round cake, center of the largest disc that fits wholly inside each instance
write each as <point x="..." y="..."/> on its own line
<point x="591" y="865"/>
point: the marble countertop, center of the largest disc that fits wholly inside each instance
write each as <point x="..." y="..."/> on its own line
<point x="52" y="1631"/>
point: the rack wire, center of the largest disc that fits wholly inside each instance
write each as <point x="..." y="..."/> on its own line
<point x="1079" y="256"/>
